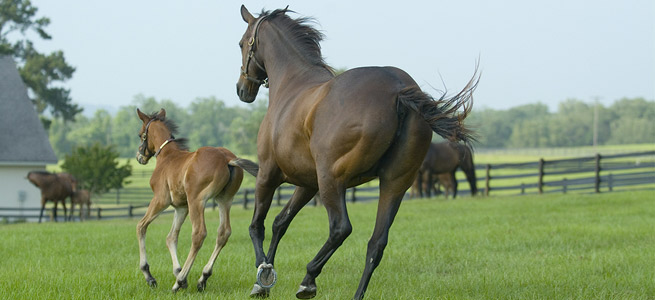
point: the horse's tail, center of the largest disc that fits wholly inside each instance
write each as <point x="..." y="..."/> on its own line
<point x="246" y="165"/>
<point x="442" y="113"/>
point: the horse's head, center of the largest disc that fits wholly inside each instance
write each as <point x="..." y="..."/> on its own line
<point x="253" y="71"/>
<point x="147" y="147"/>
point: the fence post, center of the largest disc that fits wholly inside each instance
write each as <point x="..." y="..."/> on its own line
<point x="99" y="214"/>
<point x="597" y="181"/>
<point x="245" y="199"/>
<point x="279" y="195"/>
<point x="522" y="188"/>
<point x="564" y="185"/>
<point x="486" y="180"/>
<point x="353" y="195"/>
<point x="610" y="181"/>
<point x="129" y="211"/>
<point x="540" y="181"/>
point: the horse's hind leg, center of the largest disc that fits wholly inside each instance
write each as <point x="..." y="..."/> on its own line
<point x="224" y="232"/>
<point x="154" y="209"/>
<point x="171" y="239"/>
<point x="392" y="191"/>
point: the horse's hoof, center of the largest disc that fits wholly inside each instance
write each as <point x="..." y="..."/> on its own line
<point x="259" y="292"/>
<point x="202" y="286"/>
<point x="306" y="292"/>
<point x="266" y="276"/>
<point x="151" y="282"/>
<point x="180" y="284"/>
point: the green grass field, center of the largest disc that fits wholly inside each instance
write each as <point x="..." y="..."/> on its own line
<point x="531" y="247"/>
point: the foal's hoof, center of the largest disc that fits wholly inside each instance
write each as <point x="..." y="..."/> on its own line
<point x="306" y="292"/>
<point x="259" y="292"/>
<point x="266" y="276"/>
<point x="201" y="286"/>
<point x="151" y="282"/>
<point x="180" y="284"/>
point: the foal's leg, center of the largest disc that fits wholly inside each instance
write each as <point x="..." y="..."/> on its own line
<point x="42" y="208"/>
<point x="63" y="203"/>
<point x="334" y="200"/>
<point x="198" y="234"/>
<point x="155" y="207"/>
<point x="171" y="239"/>
<point x="224" y="232"/>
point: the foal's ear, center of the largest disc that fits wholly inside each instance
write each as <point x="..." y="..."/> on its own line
<point x="245" y="14"/>
<point x="142" y="116"/>
<point x="162" y="114"/>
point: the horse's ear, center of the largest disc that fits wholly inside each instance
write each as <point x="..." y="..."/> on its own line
<point x="245" y="14"/>
<point x="162" y="114"/>
<point x="142" y="116"/>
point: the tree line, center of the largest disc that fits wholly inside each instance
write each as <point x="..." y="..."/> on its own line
<point x="210" y="122"/>
<point x="626" y="121"/>
<point x="204" y="122"/>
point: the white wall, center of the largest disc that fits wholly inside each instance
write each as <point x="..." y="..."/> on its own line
<point x="13" y="183"/>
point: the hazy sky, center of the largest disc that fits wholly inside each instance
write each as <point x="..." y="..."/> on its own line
<point x="529" y="51"/>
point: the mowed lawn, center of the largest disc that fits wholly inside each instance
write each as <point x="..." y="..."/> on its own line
<point x="532" y="247"/>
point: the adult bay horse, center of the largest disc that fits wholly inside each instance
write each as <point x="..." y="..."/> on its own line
<point x="325" y="133"/>
<point x="55" y="187"/>
<point x="446" y="157"/>
<point x="186" y="180"/>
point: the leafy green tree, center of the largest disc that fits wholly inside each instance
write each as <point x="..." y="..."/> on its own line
<point x="41" y="73"/>
<point x="96" y="167"/>
<point x="210" y="120"/>
<point x="244" y="129"/>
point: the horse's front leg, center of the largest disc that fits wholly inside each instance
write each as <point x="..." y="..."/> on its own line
<point x="333" y="195"/>
<point x="42" y="208"/>
<point x="198" y="234"/>
<point x="171" y="239"/>
<point x="264" y="191"/>
<point x="154" y="209"/>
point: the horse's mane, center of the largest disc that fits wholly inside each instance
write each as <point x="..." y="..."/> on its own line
<point x="173" y="128"/>
<point x="306" y="38"/>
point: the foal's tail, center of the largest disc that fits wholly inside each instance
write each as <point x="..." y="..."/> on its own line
<point x="442" y="113"/>
<point x="246" y="165"/>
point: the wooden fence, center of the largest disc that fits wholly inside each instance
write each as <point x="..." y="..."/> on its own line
<point x="592" y="174"/>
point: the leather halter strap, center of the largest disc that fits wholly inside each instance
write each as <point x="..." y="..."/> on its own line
<point x="144" y="138"/>
<point x="252" y="46"/>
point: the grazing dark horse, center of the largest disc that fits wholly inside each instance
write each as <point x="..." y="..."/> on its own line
<point x="185" y="180"/>
<point x="55" y="187"/>
<point x="81" y="198"/>
<point x="446" y="157"/>
<point x="325" y="133"/>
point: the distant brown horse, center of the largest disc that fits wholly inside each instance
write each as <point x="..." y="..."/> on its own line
<point x="55" y="187"/>
<point x="325" y="133"/>
<point x="186" y="180"/>
<point x="444" y="179"/>
<point x="446" y="157"/>
<point x="81" y="198"/>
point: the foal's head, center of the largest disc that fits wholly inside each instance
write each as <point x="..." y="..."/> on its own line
<point x="155" y="133"/>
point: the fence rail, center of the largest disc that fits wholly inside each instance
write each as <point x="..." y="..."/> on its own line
<point x="592" y="174"/>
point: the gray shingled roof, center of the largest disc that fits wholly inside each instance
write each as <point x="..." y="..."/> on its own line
<point x="22" y="137"/>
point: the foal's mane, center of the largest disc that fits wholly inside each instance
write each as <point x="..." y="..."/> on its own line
<point x="173" y="128"/>
<point x="305" y="38"/>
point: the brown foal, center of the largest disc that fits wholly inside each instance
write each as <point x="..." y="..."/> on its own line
<point x="186" y="180"/>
